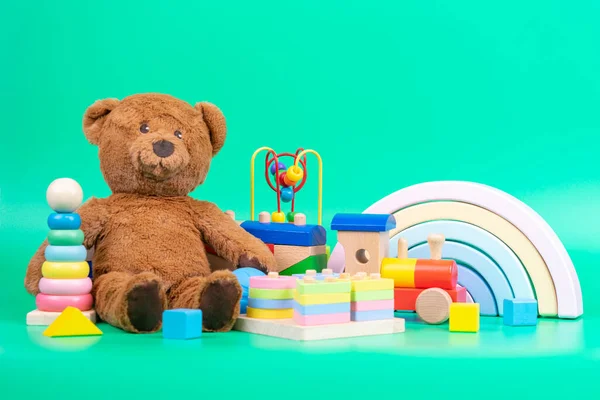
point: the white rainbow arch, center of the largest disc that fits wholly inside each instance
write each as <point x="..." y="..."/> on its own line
<point x="511" y="236"/>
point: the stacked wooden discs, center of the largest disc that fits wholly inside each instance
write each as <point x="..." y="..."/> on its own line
<point x="65" y="272"/>
<point x="271" y="297"/>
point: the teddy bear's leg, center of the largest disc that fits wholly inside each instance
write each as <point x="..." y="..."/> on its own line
<point x="217" y="295"/>
<point x="132" y="302"/>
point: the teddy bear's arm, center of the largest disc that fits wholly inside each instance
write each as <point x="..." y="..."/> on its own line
<point x="94" y="214"/>
<point x="229" y="240"/>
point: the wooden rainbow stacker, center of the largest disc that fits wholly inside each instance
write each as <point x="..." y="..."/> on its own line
<point x="329" y="308"/>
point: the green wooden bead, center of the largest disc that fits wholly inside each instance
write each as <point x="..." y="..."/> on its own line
<point x="290" y="216"/>
<point x="71" y="237"/>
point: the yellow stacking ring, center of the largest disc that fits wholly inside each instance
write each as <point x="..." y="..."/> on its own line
<point x="65" y="270"/>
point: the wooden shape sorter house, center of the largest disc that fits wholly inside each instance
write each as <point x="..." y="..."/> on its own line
<point x="365" y="240"/>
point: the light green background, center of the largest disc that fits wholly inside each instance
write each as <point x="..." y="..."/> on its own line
<point x="390" y="93"/>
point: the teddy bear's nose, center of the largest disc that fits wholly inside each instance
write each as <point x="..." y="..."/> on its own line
<point x="163" y="148"/>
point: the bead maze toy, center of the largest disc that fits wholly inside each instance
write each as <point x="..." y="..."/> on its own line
<point x="65" y="282"/>
<point x="296" y="245"/>
<point x="322" y="308"/>
<point x="503" y="249"/>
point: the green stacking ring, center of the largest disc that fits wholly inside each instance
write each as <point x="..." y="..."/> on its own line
<point x="72" y="237"/>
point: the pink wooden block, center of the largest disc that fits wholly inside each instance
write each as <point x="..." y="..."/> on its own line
<point x="265" y="282"/>
<point x="372" y="305"/>
<point x="324" y="319"/>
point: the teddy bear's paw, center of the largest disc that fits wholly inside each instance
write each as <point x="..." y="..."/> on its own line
<point x="145" y="306"/>
<point x="219" y="301"/>
<point x="251" y="262"/>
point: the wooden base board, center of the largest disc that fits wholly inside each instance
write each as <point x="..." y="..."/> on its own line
<point x="287" y="329"/>
<point x="44" y="318"/>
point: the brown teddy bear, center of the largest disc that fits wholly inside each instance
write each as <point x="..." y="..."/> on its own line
<point x="149" y="235"/>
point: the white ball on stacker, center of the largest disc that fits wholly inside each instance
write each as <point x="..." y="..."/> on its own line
<point x="64" y="195"/>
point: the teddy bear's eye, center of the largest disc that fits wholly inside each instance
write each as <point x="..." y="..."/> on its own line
<point x="178" y="134"/>
<point x="144" y="128"/>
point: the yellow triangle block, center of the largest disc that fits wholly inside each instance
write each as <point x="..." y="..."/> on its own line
<point x="72" y="322"/>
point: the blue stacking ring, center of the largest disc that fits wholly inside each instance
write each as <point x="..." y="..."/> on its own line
<point x="65" y="253"/>
<point x="60" y="221"/>
<point x="266" y="304"/>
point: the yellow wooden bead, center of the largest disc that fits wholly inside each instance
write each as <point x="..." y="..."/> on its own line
<point x="294" y="173"/>
<point x="277" y="217"/>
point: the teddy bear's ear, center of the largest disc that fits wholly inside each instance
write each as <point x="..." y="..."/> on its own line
<point x="215" y="120"/>
<point x="94" y="118"/>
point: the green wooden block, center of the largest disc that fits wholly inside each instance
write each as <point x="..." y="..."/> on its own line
<point x="322" y="287"/>
<point x="271" y="294"/>
<point x="67" y="237"/>
<point x="372" y="295"/>
<point x="318" y="263"/>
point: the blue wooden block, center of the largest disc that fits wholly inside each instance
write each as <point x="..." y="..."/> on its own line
<point x="182" y="324"/>
<point x="58" y="221"/>
<point x="374" y="315"/>
<point x="520" y="312"/>
<point x="286" y="233"/>
<point x="266" y="304"/>
<point x="320" y="309"/>
<point x="363" y="222"/>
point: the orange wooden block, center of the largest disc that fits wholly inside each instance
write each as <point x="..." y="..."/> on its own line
<point x="442" y="274"/>
<point x="405" y="299"/>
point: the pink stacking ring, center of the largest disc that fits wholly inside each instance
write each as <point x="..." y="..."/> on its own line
<point x="65" y="287"/>
<point x="49" y="302"/>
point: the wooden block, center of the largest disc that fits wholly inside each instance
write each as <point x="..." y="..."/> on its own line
<point x="363" y="222"/>
<point x="288" y="329"/>
<point x="433" y="305"/>
<point x="322" y="287"/>
<point x="329" y="298"/>
<point x="372" y="315"/>
<point x="271" y="294"/>
<point x="464" y="317"/>
<point x="44" y="318"/>
<point x="372" y="305"/>
<point x="317" y="263"/>
<point x="182" y="324"/>
<point x="72" y="322"/>
<point x="287" y="234"/>
<point x="286" y="255"/>
<point x="372" y="284"/>
<point x="269" y="314"/>
<point x="272" y="282"/>
<point x="520" y="312"/>
<point x="322" y="319"/>
<point x="405" y="299"/>
<point x="364" y="251"/>
<point x="320" y="309"/>
<point x="372" y="295"/>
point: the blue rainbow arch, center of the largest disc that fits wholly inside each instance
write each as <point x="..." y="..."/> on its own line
<point x="504" y="249"/>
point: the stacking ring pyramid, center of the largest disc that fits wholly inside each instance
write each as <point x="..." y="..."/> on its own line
<point x="503" y="248"/>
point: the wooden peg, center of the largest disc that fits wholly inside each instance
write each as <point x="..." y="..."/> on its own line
<point x="436" y="242"/>
<point x="231" y="214"/>
<point x="327" y="271"/>
<point x="300" y="219"/>
<point x="309" y="279"/>
<point x="264" y="217"/>
<point x="311" y="272"/>
<point x="402" y="248"/>
<point x="273" y="275"/>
